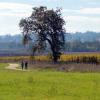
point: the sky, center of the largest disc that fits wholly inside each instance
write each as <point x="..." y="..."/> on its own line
<point x="79" y="15"/>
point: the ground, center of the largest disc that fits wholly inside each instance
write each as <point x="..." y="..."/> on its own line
<point x="48" y="85"/>
<point x="13" y="66"/>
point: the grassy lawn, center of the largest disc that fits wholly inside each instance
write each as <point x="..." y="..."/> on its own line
<point x="48" y="85"/>
<point x="2" y="66"/>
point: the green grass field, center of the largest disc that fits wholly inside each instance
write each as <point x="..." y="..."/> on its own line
<point x="48" y="85"/>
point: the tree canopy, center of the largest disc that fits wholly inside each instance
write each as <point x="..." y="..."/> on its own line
<point x="48" y="27"/>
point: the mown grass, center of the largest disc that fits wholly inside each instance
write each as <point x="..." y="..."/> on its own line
<point x="48" y="85"/>
<point x="3" y="65"/>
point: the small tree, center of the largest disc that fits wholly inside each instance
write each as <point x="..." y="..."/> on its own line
<point x="47" y="25"/>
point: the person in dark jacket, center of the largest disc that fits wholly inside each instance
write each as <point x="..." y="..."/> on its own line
<point x="26" y="65"/>
<point x="22" y="65"/>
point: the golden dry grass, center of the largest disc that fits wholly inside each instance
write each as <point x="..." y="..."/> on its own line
<point x="64" y="57"/>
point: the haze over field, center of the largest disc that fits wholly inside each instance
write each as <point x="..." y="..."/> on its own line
<point x="78" y="42"/>
<point x="81" y="15"/>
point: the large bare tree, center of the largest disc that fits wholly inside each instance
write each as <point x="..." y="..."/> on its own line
<point x="47" y="25"/>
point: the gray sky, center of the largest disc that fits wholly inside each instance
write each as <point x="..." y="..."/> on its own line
<point x="80" y="15"/>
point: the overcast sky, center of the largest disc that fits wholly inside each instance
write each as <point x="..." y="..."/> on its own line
<point x="80" y="15"/>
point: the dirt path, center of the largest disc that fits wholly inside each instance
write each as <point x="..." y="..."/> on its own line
<point x="13" y="66"/>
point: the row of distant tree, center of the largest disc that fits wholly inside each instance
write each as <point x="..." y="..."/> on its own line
<point x="78" y="36"/>
<point x="13" y="48"/>
<point x="77" y="46"/>
<point x="8" y="43"/>
<point x="77" y="42"/>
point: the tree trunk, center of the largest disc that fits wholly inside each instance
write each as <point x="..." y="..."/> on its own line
<point x="55" y="59"/>
<point x="54" y="53"/>
<point x="55" y="56"/>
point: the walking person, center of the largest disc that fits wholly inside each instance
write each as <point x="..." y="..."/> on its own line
<point x="26" y="65"/>
<point x="22" y="65"/>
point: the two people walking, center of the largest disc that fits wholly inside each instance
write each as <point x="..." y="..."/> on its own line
<point x="24" y="65"/>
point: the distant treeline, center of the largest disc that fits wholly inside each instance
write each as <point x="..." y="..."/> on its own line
<point x="77" y="42"/>
<point x="14" y="52"/>
<point x="77" y="46"/>
<point x="83" y="37"/>
<point x="78" y="36"/>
